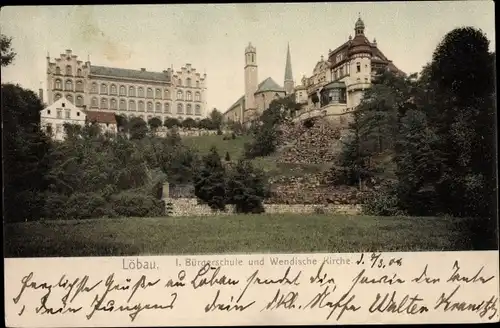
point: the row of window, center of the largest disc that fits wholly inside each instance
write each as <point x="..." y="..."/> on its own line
<point x="122" y="105"/>
<point x="69" y="71"/>
<point x="103" y="89"/>
<point x="68" y="85"/>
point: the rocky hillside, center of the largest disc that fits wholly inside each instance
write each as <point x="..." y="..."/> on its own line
<point x="306" y="144"/>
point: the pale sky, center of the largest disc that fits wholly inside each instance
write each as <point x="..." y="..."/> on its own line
<point x="212" y="37"/>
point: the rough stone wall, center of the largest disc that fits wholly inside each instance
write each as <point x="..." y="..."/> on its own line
<point x="190" y="207"/>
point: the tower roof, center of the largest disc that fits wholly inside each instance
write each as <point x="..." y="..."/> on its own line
<point x="288" y="66"/>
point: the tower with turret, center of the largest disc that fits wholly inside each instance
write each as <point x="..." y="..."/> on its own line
<point x="288" y="82"/>
<point x="251" y="80"/>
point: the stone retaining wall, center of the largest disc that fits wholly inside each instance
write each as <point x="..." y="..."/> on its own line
<point x="190" y="207"/>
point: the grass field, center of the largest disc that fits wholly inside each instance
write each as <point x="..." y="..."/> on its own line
<point x="203" y="144"/>
<point x="232" y="234"/>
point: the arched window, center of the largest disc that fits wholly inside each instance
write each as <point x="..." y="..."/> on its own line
<point x="197" y="110"/>
<point x="104" y="89"/>
<point x="93" y="89"/>
<point x="150" y="106"/>
<point x="58" y="84"/>
<point x="141" y="92"/>
<point x="58" y="70"/>
<point x="57" y="96"/>
<point x="131" y="91"/>
<point x="79" y="72"/>
<point x="158" y="93"/>
<point x="123" y="104"/>
<point x="189" y="96"/>
<point x="179" y="82"/>
<point x="167" y="108"/>
<point x="68" y="85"/>
<point x="180" y="109"/>
<point x="197" y="84"/>
<point x="79" y="86"/>
<point x="123" y="90"/>
<point x="188" y="82"/>
<point x="141" y="106"/>
<point x="104" y="103"/>
<point x="197" y="96"/>
<point x="167" y="94"/>
<point x="158" y="107"/>
<point x="94" y="102"/>
<point x="79" y="101"/>
<point x="131" y="105"/>
<point x="150" y="93"/>
<point x="179" y="95"/>
<point x="113" y="104"/>
<point x="113" y="89"/>
<point x="68" y="70"/>
<point x="150" y="117"/>
<point x="70" y="98"/>
<point x="189" y="109"/>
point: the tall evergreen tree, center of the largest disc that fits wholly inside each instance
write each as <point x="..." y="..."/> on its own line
<point x="210" y="181"/>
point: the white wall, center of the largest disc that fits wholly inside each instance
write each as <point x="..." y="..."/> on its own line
<point x="60" y="112"/>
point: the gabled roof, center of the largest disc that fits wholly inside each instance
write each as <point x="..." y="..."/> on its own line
<point x="129" y="73"/>
<point x="60" y="102"/>
<point x="264" y="86"/>
<point x="101" y="117"/>
<point x="269" y="85"/>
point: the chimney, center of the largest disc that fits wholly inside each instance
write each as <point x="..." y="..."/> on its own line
<point x="40" y="94"/>
<point x="143" y="69"/>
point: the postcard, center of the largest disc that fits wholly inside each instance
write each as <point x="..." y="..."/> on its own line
<point x="250" y="164"/>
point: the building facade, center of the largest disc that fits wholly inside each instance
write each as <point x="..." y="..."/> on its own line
<point x="258" y="96"/>
<point x="337" y="84"/>
<point x="132" y="93"/>
<point x="53" y="118"/>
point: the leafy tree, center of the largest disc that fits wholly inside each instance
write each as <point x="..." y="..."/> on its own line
<point x="25" y="149"/>
<point x="171" y="122"/>
<point x="188" y="123"/>
<point x="210" y="181"/>
<point x="122" y="123"/>
<point x="7" y="53"/>
<point x="138" y="128"/>
<point x="216" y="119"/>
<point x="207" y="124"/>
<point x="247" y="188"/>
<point x="154" y="123"/>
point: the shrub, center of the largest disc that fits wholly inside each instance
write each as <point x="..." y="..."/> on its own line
<point x="86" y="206"/>
<point x="55" y="206"/>
<point x="130" y="203"/>
<point x="383" y="202"/>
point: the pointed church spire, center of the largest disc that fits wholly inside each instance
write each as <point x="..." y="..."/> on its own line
<point x="288" y="65"/>
<point x="289" y="85"/>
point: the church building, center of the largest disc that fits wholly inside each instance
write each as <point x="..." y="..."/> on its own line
<point x="257" y="95"/>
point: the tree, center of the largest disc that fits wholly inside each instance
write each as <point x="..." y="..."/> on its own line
<point x="227" y="157"/>
<point x="216" y="118"/>
<point x="206" y="124"/>
<point x="188" y="123"/>
<point x="122" y="123"/>
<point x="25" y="149"/>
<point x="461" y="75"/>
<point x="7" y="52"/>
<point x="171" y="122"/>
<point x="154" y="123"/>
<point x="138" y="128"/>
<point x="247" y="188"/>
<point x="210" y="181"/>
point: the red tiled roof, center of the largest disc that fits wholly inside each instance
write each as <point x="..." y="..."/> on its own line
<point x="101" y="117"/>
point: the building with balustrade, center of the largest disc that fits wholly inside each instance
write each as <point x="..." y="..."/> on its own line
<point x="132" y="93"/>
<point x="337" y="84"/>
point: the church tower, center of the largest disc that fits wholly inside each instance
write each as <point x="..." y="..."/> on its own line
<point x="288" y="84"/>
<point x="250" y="79"/>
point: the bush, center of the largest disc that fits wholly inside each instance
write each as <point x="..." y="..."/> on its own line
<point x="130" y="203"/>
<point x="383" y="202"/>
<point x="55" y="206"/>
<point x="87" y="206"/>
